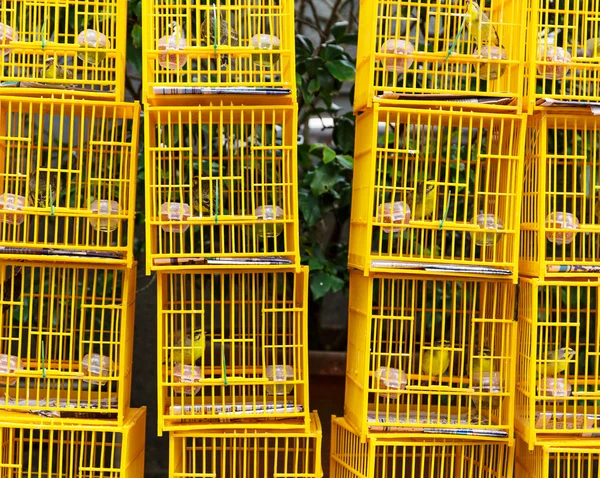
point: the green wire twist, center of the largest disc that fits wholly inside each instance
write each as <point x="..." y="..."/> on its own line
<point x="445" y="215"/>
<point x="44" y="33"/>
<point x="217" y="28"/>
<point x="224" y="366"/>
<point x="460" y="30"/>
<point x="43" y="361"/>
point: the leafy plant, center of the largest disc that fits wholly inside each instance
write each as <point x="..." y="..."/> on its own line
<point x="325" y="189"/>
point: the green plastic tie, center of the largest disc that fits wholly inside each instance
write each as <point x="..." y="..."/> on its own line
<point x="51" y="203"/>
<point x="445" y="215"/>
<point x="217" y="201"/>
<point x="217" y="28"/>
<point x="460" y="30"/>
<point x="224" y="366"/>
<point x="43" y="361"/>
<point x="44" y="33"/>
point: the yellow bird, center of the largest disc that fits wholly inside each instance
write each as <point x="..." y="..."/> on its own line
<point x="556" y="362"/>
<point x="42" y="189"/>
<point x="424" y="203"/>
<point x="482" y="361"/>
<point x="192" y="350"/>
<point x="201" y="196"/>
<point x="54" y="71"/>
<point x="480" y="25"/>
<point x="436" y="362"/>
<point x="592" y="48"/>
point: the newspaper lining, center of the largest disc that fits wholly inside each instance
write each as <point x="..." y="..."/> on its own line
<point x="209" y="90"/>
<point x="67" y="406"/>
<point x="392" y="264"/>
<point x="473" y="99"/>
<point x="233" y="410"/>
<point x="426" y="419"/>
<point x="551" y="422"/>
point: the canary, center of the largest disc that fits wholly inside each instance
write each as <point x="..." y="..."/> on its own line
<point x="192" y="350"/>
<point x="54" y="71"/>
<point x="482" y="361"/>
<point x="480" y="25"/>
<point x="592" y="48"/>
<point x="424" y="204"/>
<point x="556" y="362"/>
<point x="436" y="362"/>
<point x="201" y="196"/>
<point x="42" y="192"/>
<point x="227" y="35"/>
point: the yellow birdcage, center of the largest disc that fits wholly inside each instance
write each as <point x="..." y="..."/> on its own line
<point x="247" y="453"/>
<point x="431" y="356"/>
<point x="232" y="349"/>
<point x="437" y="192"/>
<point x="387" y="457"/>
<point x="557" y="458"/>
<point x="563" y="53"/>
<point x="435" y="51"/>
<point x="74" y="48"/>
<point x="221" y="187"/>
<point x="238" y="47"/>
<point x="560" y="219"/>
<point x="68" y="179"/>
<point x="66" y="341"/>
<point x="558" y="366"/>
<point x="60" y="449"/>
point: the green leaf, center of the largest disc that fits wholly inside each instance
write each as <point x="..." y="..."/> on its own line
<point x="322" y="282"/>
<point x="349" y="39"/>
<point x="326" y="175"/>
<point x="345" y="161"/>
<point x="136" y="35"/>
<point x="325" y="80"/>
<point x="342" y="70"/>
<point x="313" y="86"/>
<point x="333" y="52"/>
<point x="328" y="155"/>
<point x="304" y="43"/>
<point x="343" y="134"/>
<point x="304" y="156"/>
<point x="339" y="29"/>
<point x="315" y="264"/>
<point x="316" y="146"/>
<point x="310" y="208"/>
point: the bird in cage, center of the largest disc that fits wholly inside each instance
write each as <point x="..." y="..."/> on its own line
<point x="482" y="361"/>
<point x="592" y="48"/>
<point x="202" y="199"/>
<point x="480" y="25"/>
<point x="215" y="26"/>
<point x="53" y="71"/>
<point x="436" y="362"/>
<point x="424" y="201"/>
<point x="187" y="350"/>
<point x="555" y="362"/>
<point x="42" y="188"/>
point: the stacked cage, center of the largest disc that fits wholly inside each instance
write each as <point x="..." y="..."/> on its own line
<point x="220" y="126"/>
<point x="434" y="241"/>
<point x="68" y="166"/>
<point x="558" y="363"/>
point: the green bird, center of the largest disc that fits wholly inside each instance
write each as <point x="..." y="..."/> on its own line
<point x="480" y="25"/>
<point x="592" y="48"/>
<point x="42" y="191"/>
<point x="226" y="34"/>
<point x="555" y="362"/>
<point x="201" y="196"/>
<point x="424" y="201"/>
<point x="193" y="349"/>
<point x="436" y="362"/>
<point x="482" y="361"/>
<point x="11" y="287"/>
